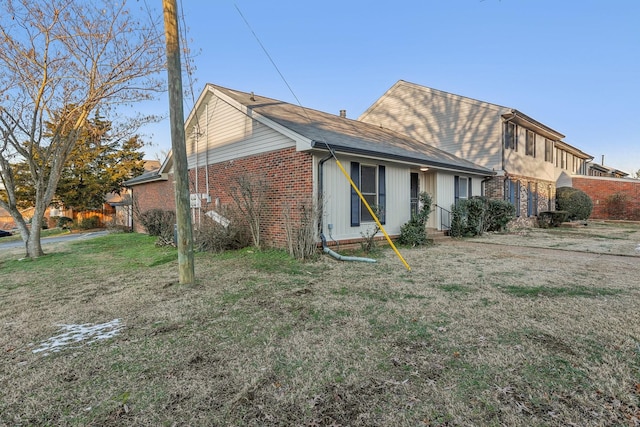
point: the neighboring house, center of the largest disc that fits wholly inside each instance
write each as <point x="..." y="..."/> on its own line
<point x="120" y="205"/>
<point x="594" y="169"/>
<point x="153" y="189"/>
<point x="527" y="156"/>
<point x="6" y="220"/>
<point x="232" y="134"/>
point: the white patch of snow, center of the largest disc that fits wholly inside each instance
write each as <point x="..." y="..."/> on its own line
<point x="79" y="334"/>
<point x="638" y="248"/>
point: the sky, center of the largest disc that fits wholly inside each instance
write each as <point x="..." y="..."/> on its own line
<point x="574" y="66"/>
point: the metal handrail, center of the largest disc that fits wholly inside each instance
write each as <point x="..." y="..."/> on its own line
<point x="445" y="217"/>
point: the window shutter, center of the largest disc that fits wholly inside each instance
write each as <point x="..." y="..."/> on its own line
<point x="456" y="190"/>
<point x="518" y="194"/>
<point x="382" y="195"/>
<point x="469" y="188"/>
<point x="355" y="200"/>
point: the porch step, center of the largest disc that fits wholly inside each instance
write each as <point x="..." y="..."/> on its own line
<point x="437" y="235"/>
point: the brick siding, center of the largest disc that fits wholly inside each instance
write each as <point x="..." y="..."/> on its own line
<point x="288" y="175"/>
<point x="600" y="190"/>
<point x="152" y="195"/>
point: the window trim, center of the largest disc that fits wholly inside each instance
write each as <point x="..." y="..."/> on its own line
<point x="357" y="206"/>
<point x="548" y="150"/>
<point x="530" y="146"/>
<point x="511" y="138"/>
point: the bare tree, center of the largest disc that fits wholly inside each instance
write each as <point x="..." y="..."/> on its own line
<point x="59" y="61"/>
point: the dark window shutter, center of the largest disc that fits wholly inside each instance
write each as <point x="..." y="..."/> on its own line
<point x="382" y="194"/>
<point x="469" y="188"/>
<point x="456" y="190"/>
<point x="355" y="199"/>
<point x="518" y="196"/>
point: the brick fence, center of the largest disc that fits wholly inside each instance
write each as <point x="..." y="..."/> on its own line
<point x="613" y="198"/>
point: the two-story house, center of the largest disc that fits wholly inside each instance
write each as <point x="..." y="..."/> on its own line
<point x="528" y="157"/>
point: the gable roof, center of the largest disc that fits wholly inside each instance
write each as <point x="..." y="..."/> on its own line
<point x="324" y="131"/>
<point x="509" y="113"/>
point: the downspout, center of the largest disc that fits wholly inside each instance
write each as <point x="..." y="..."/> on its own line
<point x="337" y="256"/>
<point x="321" y="192"/>
<point x="513" y="116"/>
<point x="206" y="153"/>
<point x="325" y="248"/>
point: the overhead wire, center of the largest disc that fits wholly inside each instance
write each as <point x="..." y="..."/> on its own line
<point x="331" y="151"/>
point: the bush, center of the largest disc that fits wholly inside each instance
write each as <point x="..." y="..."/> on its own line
<point x="63" y="222"/>
<point x="475" y="216"/>
<point x="498" y="215"/>
<point x="89" y="223"/>
<point x="576" y="202"/>
<point x="159" y="222"/>
<point x="414" y="232"/>
<point x="301" y="232"/>
<point x="212" y="236"/>
<point x="548" y="219"/>
<point x="616" y="205"/>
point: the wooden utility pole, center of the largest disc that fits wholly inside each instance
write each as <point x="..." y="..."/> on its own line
<point x="178" y="144"/>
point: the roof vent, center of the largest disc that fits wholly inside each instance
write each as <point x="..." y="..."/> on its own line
<point x="343" y="114"/>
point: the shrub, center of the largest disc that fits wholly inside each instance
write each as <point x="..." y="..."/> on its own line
<point x="458" y="221"/>
<point x="548" y="219"/>
<point x="414" y="232"/>
<point x="212" y="236"/>
<point x="159" y="222"/>
<point x="473" y="217"/>
<point x="368" y="244"/>
<point x="89" y="223"/>
<point x="616" y="205"/>
<point x="576" y="202"/>
<point x="498" y="215"/>
<point x="302" y="233"/>
<point x="63" y="222"/>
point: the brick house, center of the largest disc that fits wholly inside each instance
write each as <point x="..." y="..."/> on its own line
<point x="528" y="157"/>
<point x="291" y="149"/>
<point x="154" y="189"/>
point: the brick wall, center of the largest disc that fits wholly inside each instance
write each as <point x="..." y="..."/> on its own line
<point x="153" y="195"/>
<point x="601" y="190"/>
<point x="289" y="184"/>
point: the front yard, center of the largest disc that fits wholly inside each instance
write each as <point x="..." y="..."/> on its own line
<point x="519" y="330"/>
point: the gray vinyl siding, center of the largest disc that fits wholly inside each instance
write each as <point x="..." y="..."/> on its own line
<point x="465" y="127"/>
<point x="228" y="134"/>
<point x="337" y="199"/>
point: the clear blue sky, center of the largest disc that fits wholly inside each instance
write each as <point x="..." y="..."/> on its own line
<point x="574" y="66"/>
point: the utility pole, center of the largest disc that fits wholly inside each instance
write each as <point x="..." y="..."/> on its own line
<point x="178" y="144"/>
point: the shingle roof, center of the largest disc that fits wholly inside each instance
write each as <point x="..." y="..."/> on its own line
<point x="148" y="176"/>
<point x="350" y="136"/>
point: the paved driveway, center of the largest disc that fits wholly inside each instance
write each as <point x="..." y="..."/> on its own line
<point x="54" y="239"/>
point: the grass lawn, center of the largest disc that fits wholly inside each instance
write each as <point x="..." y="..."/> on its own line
<point x="480" y="332"/>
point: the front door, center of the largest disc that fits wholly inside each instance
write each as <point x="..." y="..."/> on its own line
<point x="415" y="191"/>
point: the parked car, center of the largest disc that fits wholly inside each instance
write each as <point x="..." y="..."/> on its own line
<point x="5" y="233"/>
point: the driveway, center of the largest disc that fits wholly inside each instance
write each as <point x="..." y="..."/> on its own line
<point x="54" y="239"/>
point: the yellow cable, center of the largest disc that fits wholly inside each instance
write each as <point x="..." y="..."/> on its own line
<point x="353" y="185"/>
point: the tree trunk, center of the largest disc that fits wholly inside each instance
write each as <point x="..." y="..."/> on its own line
<point x="34" y="246"/>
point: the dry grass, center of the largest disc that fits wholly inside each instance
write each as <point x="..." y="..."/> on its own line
<point x="481" y="332"/>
